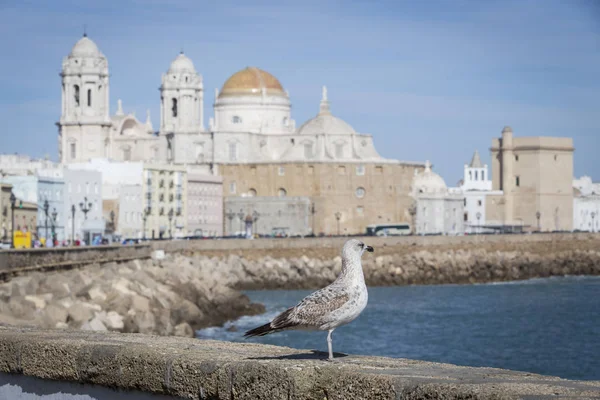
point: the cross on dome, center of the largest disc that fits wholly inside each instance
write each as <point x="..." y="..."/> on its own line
<point x="324" y="106"/>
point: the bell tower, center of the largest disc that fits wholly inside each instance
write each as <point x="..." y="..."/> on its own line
<point x="84" y="122"/>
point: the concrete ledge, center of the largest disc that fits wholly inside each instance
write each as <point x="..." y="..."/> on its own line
<point x="203" y="369"/>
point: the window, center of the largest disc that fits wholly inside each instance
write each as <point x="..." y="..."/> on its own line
<point x="73" y="149"/>
<point x="236" y="119"/>
<point x="341" y="170"/>
<point x="360" y="192"/>
<point x="127" y="154"/>
<point x="555" y="157"/>
<point x="466" y="217"/>
<point x="281" y="171"/>
<point x="89" y="97"/>
<point x="476" y="175"/>
<point x="470" y="175"/>
<point x="232" y="188"/>
<point x="379" y="170"/>
<point x="232" y="151"/>
<point x="479" y="202"/>
<point x="517" y="181"/>
<point x="339" y="150"/>
<point x="174" y="108"/>
<point x="465" y="202"/>
<point x="516" y="157"/>
<point x="483" y="175"/>
<point x="282" y="192"/>
<point x="76" y="95"/>
<point x="308" y="150"/>
<point x="360" y="170"/>
<point x="285" y="121"/>
<point x="87" y="188"/>
<point x="200" y="152"/>
<point x="252" y="192"/>
<point x="155" y="152"/>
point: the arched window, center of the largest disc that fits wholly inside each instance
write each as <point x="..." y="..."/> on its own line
<point x="236" y="119"/>
<point x="127" y="154"/>
<point x="76" y="94"/>
<point x="73" y="150"/>
<point x="360" y="192"/>
<point x="476" y="178"/>
<point x="174" y="107"/>
<point x="483" y="175"/>
<point x="252" y="192"/>
<point x="232" y="151"/>
<point x="282" y="192"/>
<point x="89" y="97"/>
<point x="308" y="150"/>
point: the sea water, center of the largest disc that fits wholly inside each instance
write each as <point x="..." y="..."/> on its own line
<point x="547" y="326"/>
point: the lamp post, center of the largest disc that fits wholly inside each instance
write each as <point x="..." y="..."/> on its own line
<point x="538" y="215"/>
<point x="593" y="216"/>
<point x="13" y="200"/>
<point x="54" y="216"/>
<point x="144" y="218"/>
<point x="241" y="217"/>
<point x="255" y="216"/>
<point x="170" y="222"/>
<point x="312" y="211"/>
<point x="46" y="207"/>
<point x="230" y="214"/>
<point x="73" y="224"/>
<point x="478" y="215"/>
<point x="338" y="216"/>
<point x="85" y="206"/>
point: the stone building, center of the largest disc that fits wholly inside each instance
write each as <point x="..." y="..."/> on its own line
<point x="586" y="205"/>
<point x="535" y="175"/>
<point x="438" y="208"/>
<point x="252" y="141"/>
<point x="5" y="212"/>
<point x="476" y="186"/>
<point x="268" y="216"/>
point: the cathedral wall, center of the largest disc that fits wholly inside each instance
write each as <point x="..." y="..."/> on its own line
<point x="363" y="194"/>
<point x="89" y="142"/>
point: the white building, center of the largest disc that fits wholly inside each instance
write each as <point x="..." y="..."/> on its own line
<point x="586" y="205"/>
<point x="252" y="121"/>
<point x="205" y="205"/>
<point x="19" y="164"/>
<point x="438" y="209"/>
<point x="83" y="204"/>
<point x="476" y="186"/>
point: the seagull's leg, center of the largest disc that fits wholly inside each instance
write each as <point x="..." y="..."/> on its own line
<point x="330" y="344"/>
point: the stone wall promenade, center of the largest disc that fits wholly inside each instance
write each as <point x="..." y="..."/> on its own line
<point x="402" y="261"/>
<point x="205" y="369"/>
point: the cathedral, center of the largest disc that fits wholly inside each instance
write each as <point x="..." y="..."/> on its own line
<point x="251" y="141"/>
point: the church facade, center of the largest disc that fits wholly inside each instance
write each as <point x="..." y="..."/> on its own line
<point x="251" y="141"/>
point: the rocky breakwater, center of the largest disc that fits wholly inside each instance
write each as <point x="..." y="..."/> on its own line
<point x="405" y="265"/>
<point x="173" y="296"/>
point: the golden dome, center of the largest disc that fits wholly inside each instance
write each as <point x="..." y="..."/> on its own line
<point x="251" y="81"/>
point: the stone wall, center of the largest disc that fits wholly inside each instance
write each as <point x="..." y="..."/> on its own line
<point x="15" y="261"/>
<point x="206" y="369"/>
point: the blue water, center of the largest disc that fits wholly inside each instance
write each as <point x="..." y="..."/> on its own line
<point x="546" y="326"/>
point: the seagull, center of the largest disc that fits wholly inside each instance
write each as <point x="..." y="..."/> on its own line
<point x="334" y="305"/>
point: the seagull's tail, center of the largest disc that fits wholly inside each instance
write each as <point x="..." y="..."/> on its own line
<point x="280" y="323"/>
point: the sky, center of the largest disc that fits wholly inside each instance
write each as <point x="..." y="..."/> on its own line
<point x="430" y="80"/>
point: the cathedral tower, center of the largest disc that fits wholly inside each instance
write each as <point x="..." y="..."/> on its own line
<point x="84" y="123"/>
<point x="181" y="98"/>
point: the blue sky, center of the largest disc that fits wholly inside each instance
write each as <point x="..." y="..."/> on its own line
<point x="429" y="79"/>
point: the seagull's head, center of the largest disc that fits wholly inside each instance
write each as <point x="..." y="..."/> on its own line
<point x="355" y="247"/>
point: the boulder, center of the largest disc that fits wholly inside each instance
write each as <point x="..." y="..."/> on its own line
<point x="186" y="311"/>
<point x="184" y="329"/>
<point x="94" y="325"/>
<point x="38" y="301"/>
<point x="96" y="294"/>
<point x="54" y="314"/>
<point x="112" y="320"/>
<point x="140" y="303"/>
<point x="80" y="313"/>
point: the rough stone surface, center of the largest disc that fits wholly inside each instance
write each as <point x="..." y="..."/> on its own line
<point x="203" y="369"/>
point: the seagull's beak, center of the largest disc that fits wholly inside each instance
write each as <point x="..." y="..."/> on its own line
<point x="369" y="249"/>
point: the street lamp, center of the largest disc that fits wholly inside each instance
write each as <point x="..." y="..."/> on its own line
<point x="478" y="215"/>
<point x="241" y="217"/>
<point x="255" y="216"/>
<point x="85" y="206"/>
<point x="170" y="222"/>
<point x="46" y="207"/>
<point x="230" y="214"/>
<point x="145" y="217"/>
<point x="13" y="200"/>
<point x="312" y="211"/>
<point x="538" y="215"/>
<point x="338" y="216"/>
<point x="54" y="216"/>
<point x="593" y="216"/>
<point x="72" y="224"/>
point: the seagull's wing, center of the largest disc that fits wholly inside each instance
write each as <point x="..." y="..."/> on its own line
<point x="310" y="312"/>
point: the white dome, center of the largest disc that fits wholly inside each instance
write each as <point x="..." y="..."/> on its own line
<point x="85" y="47"/>
<point x="428" y="182"/>
<point x="182" y="63"/>
<point x="326" y="123"/>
